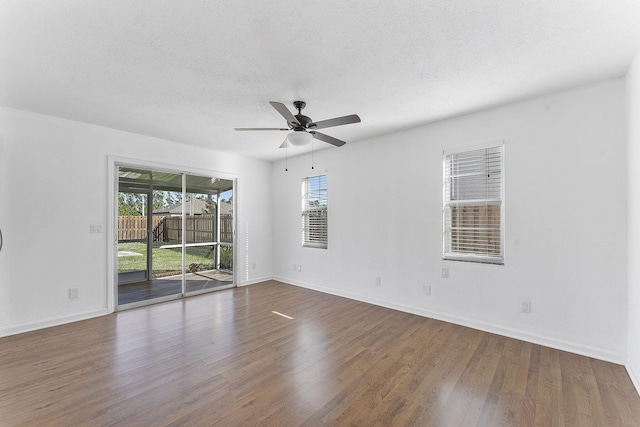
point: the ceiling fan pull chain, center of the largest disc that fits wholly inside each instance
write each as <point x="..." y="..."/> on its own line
<point x="286" y="158"/>
<point x="312" y="154"/>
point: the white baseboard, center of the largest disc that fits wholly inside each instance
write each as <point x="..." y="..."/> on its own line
<point x="28" y="327"/>
<point x="633" y="374"/>
<point x="594" y="352"/>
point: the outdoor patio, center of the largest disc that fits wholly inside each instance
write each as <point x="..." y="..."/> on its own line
<point x="172" y="285"/>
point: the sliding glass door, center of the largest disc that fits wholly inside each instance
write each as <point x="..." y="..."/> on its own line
<point x="175" y="235"/>
<point x="133" y="257"/>
<point x="208" y="220"/>
<point x="145" y="271"/>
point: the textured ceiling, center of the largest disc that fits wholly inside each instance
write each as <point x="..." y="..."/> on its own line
<point x="191" y="71"/>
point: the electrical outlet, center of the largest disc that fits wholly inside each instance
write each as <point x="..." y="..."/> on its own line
<point x="95" y="228"/>
<point x="525" y="306"/>
<point x="426" y="288"/>
<point x="378" y="281"/>
<point x="73" y="293"/>
<point x="253" y="266"/>
<point x="299" y="268"/>
<point x="445" y="272"/>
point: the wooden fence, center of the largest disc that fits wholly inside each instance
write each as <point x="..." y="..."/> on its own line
<point x="226" y="228"/>
<point x="476" y="229"/>
<point x="199" y="228"/>
<point x="132" y="228"/>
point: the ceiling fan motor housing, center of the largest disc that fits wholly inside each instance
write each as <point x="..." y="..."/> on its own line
<point x="304" y="122"/>
<point x="302" y="119"/>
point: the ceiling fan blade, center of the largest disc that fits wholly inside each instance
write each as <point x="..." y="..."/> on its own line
<point x="338" y="121"/>
<point x="327" y="138"/>
<point x="284" y="112"/>
<point x="285" y="143"/>
<point x="243" y="129"/>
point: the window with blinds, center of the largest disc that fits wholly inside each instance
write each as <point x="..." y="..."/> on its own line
<point x="472" y="210"/>
<point x="314" y="211"/>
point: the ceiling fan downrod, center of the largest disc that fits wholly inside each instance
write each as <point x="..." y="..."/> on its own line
<point x="299" y="105"/>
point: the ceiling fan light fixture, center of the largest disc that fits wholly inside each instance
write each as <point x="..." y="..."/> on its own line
<point x="298" y="138"/>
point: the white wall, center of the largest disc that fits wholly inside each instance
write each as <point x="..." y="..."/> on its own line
<point x="53" y="185"/>
<point x="565" y="222"/>
<point x="633" y="263"/>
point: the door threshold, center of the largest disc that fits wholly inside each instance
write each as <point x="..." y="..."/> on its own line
<point x="146" y="302"/>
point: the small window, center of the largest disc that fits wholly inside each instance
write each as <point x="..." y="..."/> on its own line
<point x="473" y="209"/>
<point x="314" y="211"/>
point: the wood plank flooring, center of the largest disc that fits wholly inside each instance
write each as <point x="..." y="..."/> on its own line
<point x="226" y="359"/>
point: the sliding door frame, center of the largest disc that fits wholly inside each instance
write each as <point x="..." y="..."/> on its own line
<point x="114" y="163"/>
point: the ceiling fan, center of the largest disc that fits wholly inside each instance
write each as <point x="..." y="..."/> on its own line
<point x="303" y="128"/>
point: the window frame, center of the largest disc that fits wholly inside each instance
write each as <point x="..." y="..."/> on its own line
<point x="320" y="238"/>
<point x="448" y="253"/>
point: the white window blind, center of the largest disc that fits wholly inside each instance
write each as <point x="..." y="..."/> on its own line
<point x="473" y="214"/>
<point x="314" y="211"/>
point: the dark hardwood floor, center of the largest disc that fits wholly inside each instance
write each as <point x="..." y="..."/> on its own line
<point x="232" y="358"/>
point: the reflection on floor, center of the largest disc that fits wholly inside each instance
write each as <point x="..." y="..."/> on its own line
<point x="172" y="285"/>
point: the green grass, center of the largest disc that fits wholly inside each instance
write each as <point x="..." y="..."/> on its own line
<point x="169" y="261"/>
